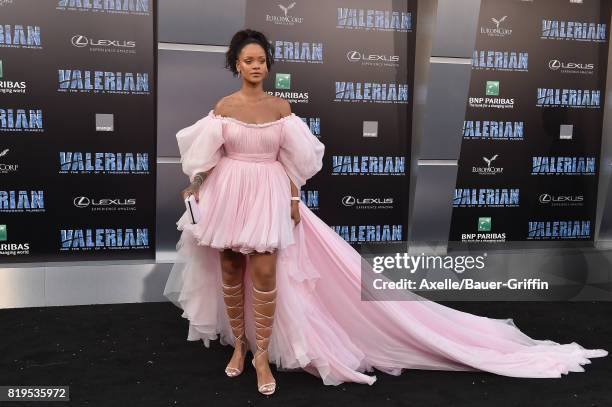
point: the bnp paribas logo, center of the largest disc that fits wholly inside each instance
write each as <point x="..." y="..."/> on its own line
<point x="8" y="86"/>
<point x="282" y="81"/>
<point x="3" y="233"/>
<point x="492" y="99"/>
<point x="492" y="88"/>
<point x="484" y="224"/>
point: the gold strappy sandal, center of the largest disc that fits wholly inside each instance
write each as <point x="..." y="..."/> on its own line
<point x="264" y="304"/>
<point x="233" y="296"/>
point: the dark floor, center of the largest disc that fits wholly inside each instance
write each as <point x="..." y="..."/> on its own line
<point x="137" y="355"/>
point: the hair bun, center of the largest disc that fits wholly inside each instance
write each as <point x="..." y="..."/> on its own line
<point x="242" y="38"/>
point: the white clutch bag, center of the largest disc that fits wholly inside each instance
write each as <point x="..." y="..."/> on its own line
<point x="192" y="209"/>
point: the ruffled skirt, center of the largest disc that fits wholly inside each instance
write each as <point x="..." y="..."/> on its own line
<point x="244" y="206"/>
<point x="323" y="327"/>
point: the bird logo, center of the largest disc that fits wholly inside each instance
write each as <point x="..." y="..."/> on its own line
<point x="490" y="160"/>
<point x="286" y="9"/>
<point x="498" y="22"/>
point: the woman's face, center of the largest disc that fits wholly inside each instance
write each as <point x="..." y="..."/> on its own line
<point x="252" y="63"/>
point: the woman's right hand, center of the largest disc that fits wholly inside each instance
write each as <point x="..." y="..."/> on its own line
<point x="191" y="190"/>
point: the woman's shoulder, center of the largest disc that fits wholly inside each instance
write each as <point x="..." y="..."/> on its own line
<point x="282" y="106"/>
<point x="221" y="107"/>
<point x="230" y="103"/>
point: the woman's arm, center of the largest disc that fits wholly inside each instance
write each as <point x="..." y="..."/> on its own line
<point x="285" y="110"/>
<point x="199" y="178"/>
<point x="295" y="207"/>
<point x="194" y="187"/>
<point x="294" y="190"/>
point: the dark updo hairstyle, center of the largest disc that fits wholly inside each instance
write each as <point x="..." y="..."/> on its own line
<point x="242" y="38"/>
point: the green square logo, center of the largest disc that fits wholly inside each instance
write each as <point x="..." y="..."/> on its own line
<point x="283" y="81"/>
<point x="3" y="233"/>
<point x="0" y="68"/>
<point x="484" y="224"/>
<point x="492" y="88"/>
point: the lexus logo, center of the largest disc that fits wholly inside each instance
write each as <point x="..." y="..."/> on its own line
<point x="80" y="41"/>
<point x="84" y="202"/>
<point x="547" y="198"/>
<point x="348" y="200"/>
<point x="356" y="56"/>
<point x="555" y="65"/>
<point x="81" y="202"/>
<point x="353" y="56"/>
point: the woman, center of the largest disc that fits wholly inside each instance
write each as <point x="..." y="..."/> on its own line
<point x="247" y="160"/>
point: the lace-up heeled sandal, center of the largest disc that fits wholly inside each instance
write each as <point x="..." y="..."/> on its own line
<point x="264" y="304"/>
<point x="233" y="296"/>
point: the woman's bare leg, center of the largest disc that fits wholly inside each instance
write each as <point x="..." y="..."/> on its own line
<point x="263" y="273"/>
<point x="233" y="265"/>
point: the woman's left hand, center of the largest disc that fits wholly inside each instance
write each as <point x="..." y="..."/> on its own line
<point x="295" y="212"/>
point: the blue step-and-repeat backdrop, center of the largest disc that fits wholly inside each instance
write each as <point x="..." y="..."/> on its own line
<point x="77" y="130"/>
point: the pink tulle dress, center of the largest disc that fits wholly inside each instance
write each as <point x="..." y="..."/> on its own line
<point x="321" y="325"/>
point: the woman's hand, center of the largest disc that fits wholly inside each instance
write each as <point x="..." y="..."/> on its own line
<point x="295" y="212"/>
<point x="192" y="189"/>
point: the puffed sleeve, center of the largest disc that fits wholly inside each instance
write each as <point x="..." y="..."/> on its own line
<point x="301" y="152"/>
<point x="200" y="145"/>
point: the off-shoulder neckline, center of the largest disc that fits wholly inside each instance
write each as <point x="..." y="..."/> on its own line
<point x="234" y="120"/>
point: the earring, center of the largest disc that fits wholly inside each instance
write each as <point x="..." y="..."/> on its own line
<point x="239" y="74"/>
